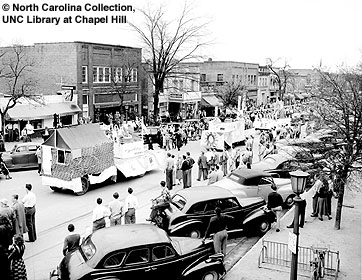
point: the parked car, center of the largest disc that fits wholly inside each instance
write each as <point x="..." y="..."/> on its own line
<point x="314" y="144"/>
<point x="140" y="251"/>
<point x="253" y="183"/>
<point x="22" y="156"/>
<point x="280" y="165"/>
<point x="190" y="211"/>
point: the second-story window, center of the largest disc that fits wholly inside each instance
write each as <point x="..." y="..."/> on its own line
<point x="220" y="77"/>
<point x="84" y="74"/>
<point x="101" y="74"/>
<point x="203" y="78"/>
<point x="118" y="75"/>
<point x="181" y="84"/>
<point x="134" y="75"/>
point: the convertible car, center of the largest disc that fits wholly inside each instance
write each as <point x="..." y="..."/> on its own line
<point x="140" y="251"/>
<point x="190" y="211"/>
<point x="244" y="182"/>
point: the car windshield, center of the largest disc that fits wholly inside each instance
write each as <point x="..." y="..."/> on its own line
<point x="179" y="201"/>
<point x="88" y="249"/>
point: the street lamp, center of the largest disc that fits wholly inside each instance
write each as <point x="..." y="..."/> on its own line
<point x="298" y="179"/>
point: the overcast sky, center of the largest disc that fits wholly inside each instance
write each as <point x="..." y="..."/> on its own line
<point x="305" y="32"/>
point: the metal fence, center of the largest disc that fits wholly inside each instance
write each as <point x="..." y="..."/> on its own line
<point x="278" y="254"/>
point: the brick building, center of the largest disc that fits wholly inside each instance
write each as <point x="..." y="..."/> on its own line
<point x="181" y="95"/>
<point x="101" y="77"/>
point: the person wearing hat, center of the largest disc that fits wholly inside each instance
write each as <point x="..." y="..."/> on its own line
<point x="5" y="210"/>
<point x="130" y="204"/>
<point x="29" y="202"/>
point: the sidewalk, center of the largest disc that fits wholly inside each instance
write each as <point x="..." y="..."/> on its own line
<point x="316" y="233"/>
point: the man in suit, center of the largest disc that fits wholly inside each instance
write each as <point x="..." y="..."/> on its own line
<point x="202" y="163"/>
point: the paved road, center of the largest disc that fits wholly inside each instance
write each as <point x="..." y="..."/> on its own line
<point x="56" y="210"/>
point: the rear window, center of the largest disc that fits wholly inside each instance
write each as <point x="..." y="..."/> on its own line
<point x="88" y="249"/>
<point x="179" y="201"/>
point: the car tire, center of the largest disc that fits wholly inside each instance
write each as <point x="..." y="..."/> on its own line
<point x="263" y="225"/>
<point x="85" y="186"/>
<point x="289" y="202"/>
<point x="210" y="275"/>
<point x="195" y="233"/>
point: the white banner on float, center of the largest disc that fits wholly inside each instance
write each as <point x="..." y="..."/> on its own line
<point x="128" y="150"/>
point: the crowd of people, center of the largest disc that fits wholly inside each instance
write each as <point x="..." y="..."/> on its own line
<point x="16" y="220"/>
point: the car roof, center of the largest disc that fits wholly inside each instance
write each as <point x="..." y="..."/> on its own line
<point x="124" y="236"/>
<point x="203" y="193"/>
<point x="249" y="173"/>
<point x="276" y="158"/>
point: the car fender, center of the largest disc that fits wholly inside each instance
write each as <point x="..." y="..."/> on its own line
<point x="186" y="224"/>
<point x="256" y="214"/>
<point x="195" y="267"/>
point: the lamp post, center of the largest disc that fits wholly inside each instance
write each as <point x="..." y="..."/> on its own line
<point x="299" y="180"/>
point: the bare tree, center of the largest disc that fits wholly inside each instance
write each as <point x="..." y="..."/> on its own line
<point x="120" y="82"/>
<point x="283" y="76"/>
<point x="338" y="105"/>
<point x="229" y="93"/>
<point x="17" y="79"/>
<point x="168" y="43"/>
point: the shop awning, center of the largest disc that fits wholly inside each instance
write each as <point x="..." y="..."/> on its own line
<point x="210" y="101"/>
<point x="38" y="111"/>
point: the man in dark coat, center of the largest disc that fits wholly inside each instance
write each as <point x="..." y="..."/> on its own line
<point x="202" y="163"/>
<point x="184" y="168"/>
<point x="191" y="162"/>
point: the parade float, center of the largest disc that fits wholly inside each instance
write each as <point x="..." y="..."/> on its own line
<point x="131" y="158"/>
<point x="221" y="134"/>
<point x="77" y="157"/>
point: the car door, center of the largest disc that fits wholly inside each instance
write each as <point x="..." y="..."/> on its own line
<point x="32" y="158"/>
<point x="264" y="187"/>
<point x="165" y="263"/>
<point x="250" y="186"/>
<point x="136" y="264"/>
<point x="20" y="156"/>
<point x="230" y="206"/>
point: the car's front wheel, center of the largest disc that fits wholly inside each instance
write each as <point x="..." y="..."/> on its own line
<point x="195" y="233"/>
<point x="263" y="226"/>
<point x="210" y="275"/>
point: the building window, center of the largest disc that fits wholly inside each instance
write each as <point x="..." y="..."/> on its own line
<point x="84" y="74"/>
<point x="192" y="85"/>
<point x="181" y="84"/>
<point x="203" y="78"/>
<point x="134" y="75"/>
<point x="118" y="75"/>
<point x="101" y="74"/>
<point x="220" y="77"/>
<point x="85" y="99"/>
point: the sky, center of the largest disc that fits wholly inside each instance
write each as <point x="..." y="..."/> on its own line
<point x="305" y="33"/>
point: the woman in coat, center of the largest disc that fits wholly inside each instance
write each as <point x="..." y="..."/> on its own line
<point x="16" y="252"/>
<point x="322" y="205"/>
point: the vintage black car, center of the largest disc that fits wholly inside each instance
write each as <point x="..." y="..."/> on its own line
<point x="190" y="211"/>
<point x="140" y="251"/>
<point x="22" y="156"/>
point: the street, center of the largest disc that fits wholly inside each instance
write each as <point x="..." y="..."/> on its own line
<point x="55" y="210"/>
